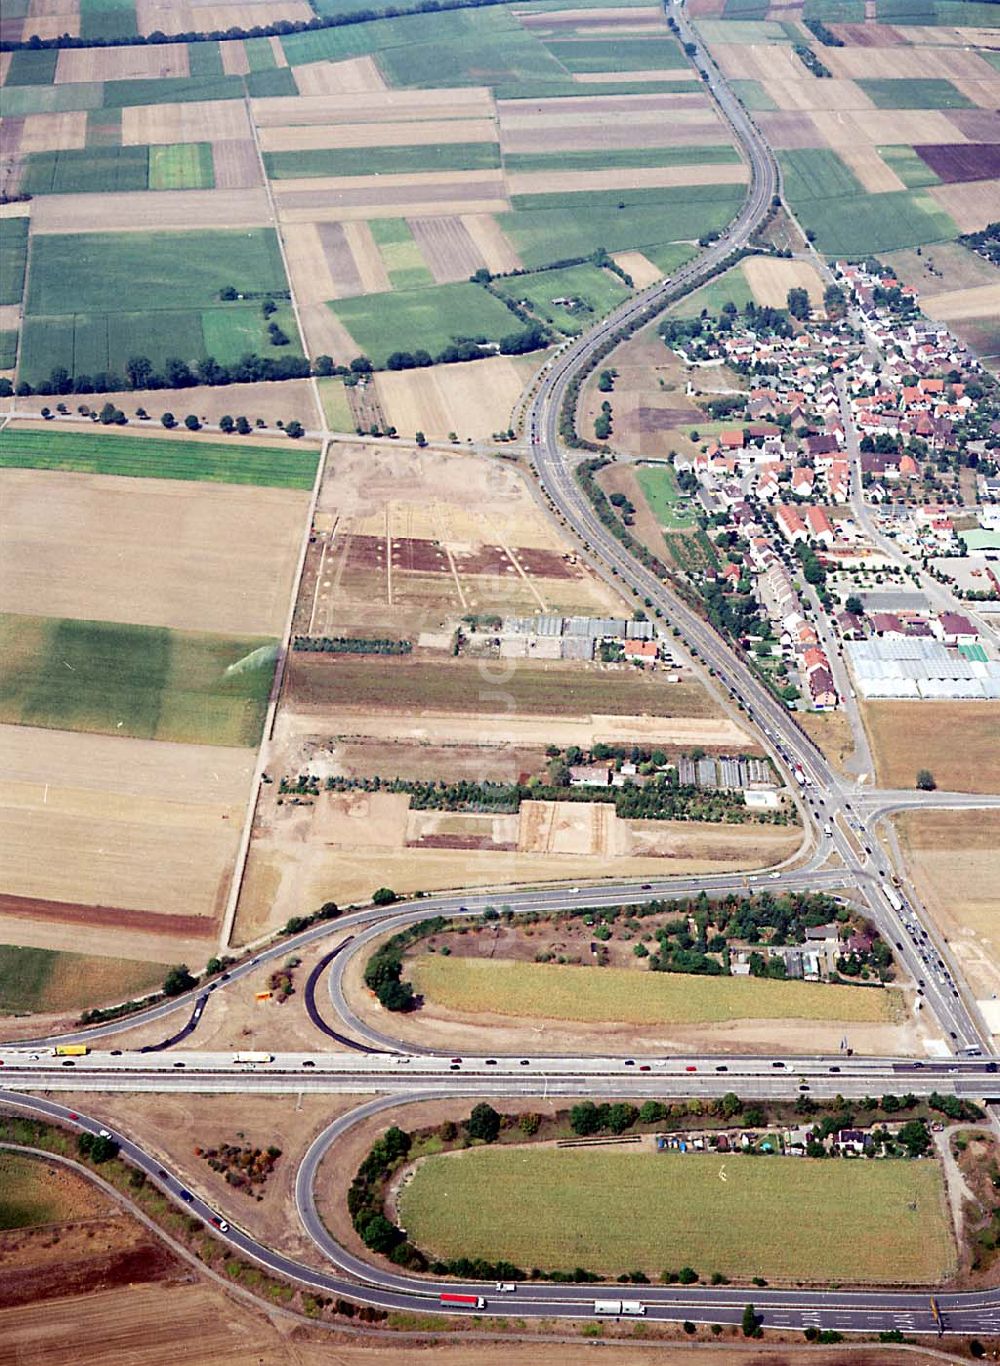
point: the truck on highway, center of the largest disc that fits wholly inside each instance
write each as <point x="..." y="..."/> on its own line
<point x="799" y="775"/>
<point x="616" y="1307"/>
<point x="465" y="1301"/>
<point x="253" y="1057"/>
<point x="891" y="897"/>
<point x="70" y="1050"/>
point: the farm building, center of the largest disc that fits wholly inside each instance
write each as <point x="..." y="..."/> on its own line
<point x="920" y="669"/>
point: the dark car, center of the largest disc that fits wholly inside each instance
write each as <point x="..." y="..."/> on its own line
<point x="777" y="1064"/>
<point x="162" y="1174"/>
<point x="187" y="1197"/>
<point x="991" y="1067"/>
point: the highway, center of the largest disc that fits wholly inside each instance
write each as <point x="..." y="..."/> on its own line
<point x="838" y="818"/>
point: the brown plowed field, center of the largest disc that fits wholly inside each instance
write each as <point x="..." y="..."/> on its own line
<point x="975" y="125"/>
<point x="150" y="211"/>
<point x="199" y="121"/>
<point x="235" y="164"/>
<point x="389" y="192"/>
<point x="448" y="249"/>
<point x="602" y="77"/>
<point x="771" y="279"/>
<point x="339" y="78"/>
<point x="338" y="261"/>
<point x="235" y="61"/>
<point x="278" y="400"/>
<point x="966" y="161"/>
<point x="806" y="94"/>
<point x="981" y="301"/>
<point x="369" y="266"/>
<point x="939" y="63"/>
<point x="580" y="136"/>
<point x="759" y="62"/>
<point x="103" y="548"/>
<point x="150" y="62"/>
<point x="641" y="269"/>
<point x="52" y="132"/>
<point x="309" y="273"/>
<point x="52" y="26"/>
<point x="787" y="131"/>
<point x="871" y="170"/>
<point x="972" y="205"/>
<point x="104" y="917"/>
<point x="883" y="127"/>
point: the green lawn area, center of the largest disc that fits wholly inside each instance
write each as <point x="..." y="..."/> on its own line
<point x="360" y="161"/>
<point x="143" y="681"/>
<point x="732" y="287"/>
<point x="659" y="485"/>
<point x="336" y="407"/>
<point x="620" y="156"/>
<point x="87" y="170"/>
<point x="98" y="452"/>
<point x="914" y="93"/>
<point x="13" y="254"/>
<point x="97" y="299"/>
<point x="45" y="980"/>
<point x="829" y="200"/>
<point x="617" y="54"/>
<point x="181" y="166"/>
<point x="593" y="290"/>
<point x="546" y="228"/>
<point x="632" y="996"/>
<point x="608" y="1211"/>
<point x="427" y="319"/>
<point x="911" y="168"/>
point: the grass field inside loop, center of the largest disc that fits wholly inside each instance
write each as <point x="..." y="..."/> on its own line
<point x="781" y="1218"/>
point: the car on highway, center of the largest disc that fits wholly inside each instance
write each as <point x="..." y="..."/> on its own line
<point x="777" y="1064"/>
<point x="73" y="1115"/>
<point x="220" y="1223"/>
<point x="690" y="1067"/>
<point x="774" y="875"/>
<point x="308" y="1062"/>
<point x="186" y="1196"/>
<point x="104" y="1133"/>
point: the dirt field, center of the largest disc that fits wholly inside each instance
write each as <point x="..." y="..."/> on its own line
<point x="149" y="211"/>
<point x="474" y="399"/>
<point x="953" y="858"/>
<point x="981" y="301"/>
<point x="296" y="137"/>
<point x="766" y="62"/>
<point x="235" y="164"/>
<point x="307" y="264"/>
<point x="150" y="62"/>
<point x="52" y="132"/>
<point x="199" y="121"/>
<point x="170" y="813"/>
<point x="147" y="550"/>
<point x="972" y="205"/>
<point x="642" y="271"/>
<point x="957" y="741"/>
<point x="771" y="279"/>
<point x="467" y="537"/>
<point x="335" y="78"/>
<point x="940" y="63"/>
<point x="364" y="263"/>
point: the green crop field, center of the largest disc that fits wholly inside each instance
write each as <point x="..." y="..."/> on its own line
<point x="336" y="407"/>
<point x="205" y="59"/>
<point x="87" y="170"/>
<point x="631" y="1209"/>
<point x="620" y="157"/>
<point x="31" y="68"/>
<point x="260" y="54"/>
<point x="835" y="11"/>
<point x="79" y="281"/>
<point x="732" y="287"/>
<point x="181" y="166"/>
<point x="97" y="452"/>
<point x="428" y="319"/>
<point x="948" y="12"/>
<point x="593" y="290"/>
<point x="50" y="99"/>
<point x="344" y="161"/>
<point x="669" y="256"/>
<point x="754" y="96"/>
<point x="401" y="256"/>
<point x="914" y="93"/>
<point x="659" y="485"/>
<point x="45" y="980"/>
<point x="911" y="168"/>
<point x="8" y="349"/>
<point x="632" y="996"/>
<point x="617" y="54"/>
<point x="547" y="228"/>
<point x="143" y="681"/>
<point x="108" y="19"/>
<point x="104" y="128"/>
<point x="13" y="254"/>
<point x="174" y="90"/>
<point x="829" y="200"/>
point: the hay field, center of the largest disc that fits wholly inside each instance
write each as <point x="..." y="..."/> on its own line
<point x="770" y="280"/>
<point x="298" y="137"/>
<point x="154" y="552"/>
<point x="95" y="820"/>
<point x="473" y="399"/>
<point x="152" y="61"/>
<point x="507" y="987"/>
<point x="980" y="301"/>
<point x="198" y="121"/>
<point x="151" y="211"/>
<point x="958" y="741"/>
<point x="52" y="132"/>
<point x="193" y="16"/>
<point x="854" y="1221"/>
<point x="643" y="271"/>
<point x="953" y="858"/>
<point x="377" y="106"/>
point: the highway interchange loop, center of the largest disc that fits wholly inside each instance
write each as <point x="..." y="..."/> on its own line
<point x="372" y="1062"/>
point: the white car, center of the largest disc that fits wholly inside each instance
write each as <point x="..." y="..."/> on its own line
<point x="774" y="875"/>
<point x="104" y="1133"/>
<point x="506" y="1287"/>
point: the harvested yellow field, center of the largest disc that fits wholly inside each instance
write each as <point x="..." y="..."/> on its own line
<point x="487" y="235"/>
<point x="374" y="106"/>
<point x="235" y="61"/>
<point x="199" y="121"/>
<point x="52" y="26"/>
<point x="176" y="16"/>
<point x="53" y="132"/>
<point x="971" y="205"/>
<point x="626" y="178"/>
<point x="775" y="62"/>
<point x="473" y="399"/>
<point x="771" y="279"/>
<point x="151" y="61"/>
<point x="981" y="301"/>
<point x="958" y="741"/>
<point x="641" y="269"/>
<point x="803" y="95"/>
<point x="150" y="211"/>
<point x="93" y="821"/>
<point x="338" y="78"/>
<point x="940" y="63"/>
<point x="367" y="259"/>
<point x="870" y="169"/>
<point x="308" y="270"/>
<point x="620" y="77"/>
<point x="505" y="987"/>
<point x="147" y="551"/>
<point x="296" y="137"/>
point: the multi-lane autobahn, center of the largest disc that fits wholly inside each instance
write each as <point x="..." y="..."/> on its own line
<point x="843" y="859"/>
